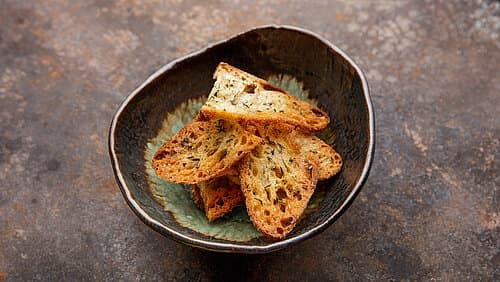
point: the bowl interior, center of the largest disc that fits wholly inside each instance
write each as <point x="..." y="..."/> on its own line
<point x="327" y="76"/>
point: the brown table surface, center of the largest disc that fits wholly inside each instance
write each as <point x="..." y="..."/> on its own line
<point x="430" y="208"/>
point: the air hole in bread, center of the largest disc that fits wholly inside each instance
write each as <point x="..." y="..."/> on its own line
<point x="282" y="208"/>
<point x="317" y="112"/>
<point x="279" y="230"/>
<point x="269" y="87"/>
<point x="250" y="88"/>
<point x="286" y="221"/>
<point x="258" y="152"/>
<point x="220" y="202"/>
<point x="221" y="155"/>
<point x="278" y="171"/>
<point x="268" y="195"/>
<point x="297" y="195"/>
<point x="161" y="155"/>
<point x="243" y="140"/>
<point x="267" y="213"/>
<point x="281" y="194"/>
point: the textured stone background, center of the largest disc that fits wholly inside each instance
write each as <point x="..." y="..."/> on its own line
<point x="430" y="208"/>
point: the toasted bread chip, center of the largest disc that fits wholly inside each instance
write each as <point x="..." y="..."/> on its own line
<point x="330" y="161"/>
<point x="217" y="197"/>
<point x="203" y="150"/>
<point x="277" y="182"/>
<point x="219" y="190"/>
<point x="240" y="95"/>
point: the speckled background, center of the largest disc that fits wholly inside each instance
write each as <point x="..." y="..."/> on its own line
<point x="430" y="209"/>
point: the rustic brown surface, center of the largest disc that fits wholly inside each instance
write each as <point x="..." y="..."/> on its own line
<point x="430" y="208"/>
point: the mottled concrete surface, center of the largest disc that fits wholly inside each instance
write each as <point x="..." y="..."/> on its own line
<point x="430" y="209"/>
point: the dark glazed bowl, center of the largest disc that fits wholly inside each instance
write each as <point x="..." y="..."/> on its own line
<point x="331" y="78"/>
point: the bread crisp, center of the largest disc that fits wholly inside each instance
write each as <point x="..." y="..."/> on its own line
<point x="277" y="181"/>
<point x="240" y="95"/>
<point x="202" y="150"/>
<point x="330" y="161"/>
<point x="217" y="196"/>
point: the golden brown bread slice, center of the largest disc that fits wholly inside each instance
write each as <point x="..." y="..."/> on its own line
<point x="240" y="95"/>
<point x="203" y="150"/>
<point x="330" y="161"/>
<point x="225" y="193"/>
<point x="217" y="196"/>
<point x="277" y="181"/>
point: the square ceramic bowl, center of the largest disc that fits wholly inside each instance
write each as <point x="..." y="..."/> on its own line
<point x="295" y="59"/>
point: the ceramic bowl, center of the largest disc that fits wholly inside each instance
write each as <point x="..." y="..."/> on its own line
<point x="298" y="60"/>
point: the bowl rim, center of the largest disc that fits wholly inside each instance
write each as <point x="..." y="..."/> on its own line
<point x="231" y="247"/>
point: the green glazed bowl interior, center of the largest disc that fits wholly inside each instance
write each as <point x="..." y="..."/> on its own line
<point x="297" y="60"/>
